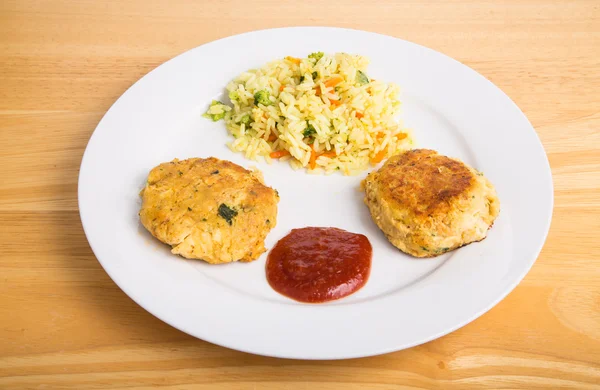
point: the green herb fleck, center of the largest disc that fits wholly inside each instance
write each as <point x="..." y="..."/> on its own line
<point x="425" y="248"/>
<point x="316" y="56"/>
<point x="314" y="75"/>
<point x="310" y="130"/>
<point x="268" y="222"/>
<point x="442" y="250"/>
<point x="361" y="77"/>
<point x="262" y="97"/>
<point x="227" y="213"/>
<point x="215" y="172"/>
<point x="180" y="173"/>
<point x="204" y="219"/>
<point x="189" y="209"/>
<point x="301" y="79"/>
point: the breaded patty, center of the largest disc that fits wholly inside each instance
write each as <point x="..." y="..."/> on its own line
<point x="428" y="204"/>
<point x="209" y="209"/>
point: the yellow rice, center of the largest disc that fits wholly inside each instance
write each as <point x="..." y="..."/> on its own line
<point x="348" y="127"/>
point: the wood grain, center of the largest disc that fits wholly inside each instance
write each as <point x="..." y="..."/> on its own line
<point x="64" y="324"/>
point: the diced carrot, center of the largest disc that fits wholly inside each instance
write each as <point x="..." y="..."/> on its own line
<point x="294" y="60"/>
<point x="359" y="115"/>
<point x="272" y="137"/>
<point x="332" y="82"/>
<point x="380" y="135"/>
<point x="334" y="102"/>
<point x="379" y="156"/>
<point x="401" y="136"/>
<point x="313" y="158"/>
<point x="279" y="154"/>
<point x="329" y="154"/>
<point x="281" y="88"/>
<point x="318" y="90"/>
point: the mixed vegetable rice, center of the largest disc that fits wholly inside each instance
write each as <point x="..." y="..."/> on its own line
<point x="322" y="112"/>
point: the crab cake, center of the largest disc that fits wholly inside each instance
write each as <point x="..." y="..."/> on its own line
<point x="428" y="204"/>
<point x="209" y="209"/>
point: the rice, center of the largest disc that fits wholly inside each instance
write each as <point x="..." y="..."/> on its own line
<point x="321" y="112"/>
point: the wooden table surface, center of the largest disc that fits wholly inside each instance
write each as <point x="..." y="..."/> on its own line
<point x="65" y="324"/>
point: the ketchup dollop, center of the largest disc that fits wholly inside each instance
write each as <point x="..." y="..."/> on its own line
<point x="316" y="264"/>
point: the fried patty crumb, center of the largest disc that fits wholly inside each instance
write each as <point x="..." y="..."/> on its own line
<point x="209" y="209"/>
<point x="428" y="204"/>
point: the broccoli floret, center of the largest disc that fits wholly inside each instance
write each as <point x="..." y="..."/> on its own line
<point x="234" y="95"/>
<point x="317" y="56"/>
<point x="246" y="120"/>
<point x="262" y="97"/>
<point x="310" y="130"/>
<point x="216" y="114"/>
<point x="361" y="78"/>
<point x="218" y="117"/>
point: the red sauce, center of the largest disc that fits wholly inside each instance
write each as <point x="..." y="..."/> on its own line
<point x="319" y="264"/>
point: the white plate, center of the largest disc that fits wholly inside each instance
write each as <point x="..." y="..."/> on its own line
<point x="406" y="302"/>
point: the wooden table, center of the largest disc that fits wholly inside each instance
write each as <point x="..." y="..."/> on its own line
<point x="65" y="324"/>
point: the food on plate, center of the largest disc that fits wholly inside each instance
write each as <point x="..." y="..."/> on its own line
<point x="209" y="209"/>
<point x="428" y="204"/>
<point x="216" y="111"/>
<point x="316" y="264"/>
<point x="322" y="112"/>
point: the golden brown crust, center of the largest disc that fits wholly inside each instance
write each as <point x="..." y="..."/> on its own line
<point x="427" y="204"/>
<point x="423" y="181"/>
<point x="209" y="209"/>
